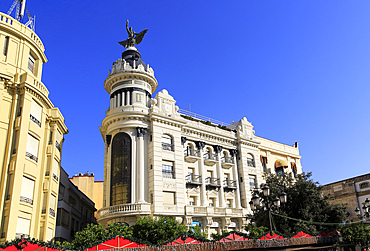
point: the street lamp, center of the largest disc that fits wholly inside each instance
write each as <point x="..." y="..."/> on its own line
<point x="365" y="209"/>
<point x="269" y="206"/>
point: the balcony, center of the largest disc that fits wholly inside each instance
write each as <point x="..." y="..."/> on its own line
<point x="167" y="147"/>
<point x="213" y="182"/>
<point x="55" y="176"/>
<point x="227" y="162"/>
<point x="57" y="145"/>
<point x="229" y="184"/>
<point x="192" y="155"/>
<point x="210" y="159"/>
<point x="192" y="179"/>
<point x="123" y="210"/>
<point x="52" y="212"/>
<point x="214" y="211"/>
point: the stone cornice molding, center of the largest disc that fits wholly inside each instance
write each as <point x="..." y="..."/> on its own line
<point x="129" y="75"/>
<point x="165" y="119"/>
<point x="209" y="137"/>
<point x="251" y="143"/>
<point x="122" y="117"/>
<point x="274" y="150"/>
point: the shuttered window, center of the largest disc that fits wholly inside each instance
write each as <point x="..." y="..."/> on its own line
<point x="23" y="226"/>
<point x="55" y="169"/>
<point x="32" y="147"/>
<point x="31" y="63"/>
<point x="169" y="198"/>
<point x="35" y="114"/>
<point x="50" y="234"/>
<point x="52" y="201"/>
<point x="27" y="190"/>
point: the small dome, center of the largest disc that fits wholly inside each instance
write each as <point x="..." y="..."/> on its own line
<point x="132" y="56"/>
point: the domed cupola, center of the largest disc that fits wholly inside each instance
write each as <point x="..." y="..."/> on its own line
<point x="133" y="57"/>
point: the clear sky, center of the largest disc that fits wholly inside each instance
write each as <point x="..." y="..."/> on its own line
<point x="298" y="70"/>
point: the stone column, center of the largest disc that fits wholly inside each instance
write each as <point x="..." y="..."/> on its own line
<point x="218" y="150"/>
<point x="119" y="99"/>
<point x="234" y="153"/>
<point x="111" y="103"/>
<point x="114" y="100"/>
<point x="140" y="163"/>
<point x="203" y="195"/>
<point x="128" y="94"/>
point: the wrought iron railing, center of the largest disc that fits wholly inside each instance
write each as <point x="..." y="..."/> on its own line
<point x="168" y="174"/>
<point x="210" y="156"/>
<point x="230" y="183"/>
<point x="52" y="212"/>
<point x="35" y="120"/>
<point x="192" y="178"/>
<point x="55" y="177"/>
<point x="201" y="117"/>
<point x="31" y="156"/>
<point x="212" y="181"/>
<point x="26" y="200"/>
<point x="227" y="159"/>
<point x="167" y="146"/>
<point x="251" y="163"/>
<point x="47" y="173"/>
<point x="192" y="153"/>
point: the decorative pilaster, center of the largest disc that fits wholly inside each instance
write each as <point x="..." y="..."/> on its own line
<point x="203" y="195"/>
<point x="140" y="153"/>
<point x="221" y="194"/>
<point x="234" y="153"/>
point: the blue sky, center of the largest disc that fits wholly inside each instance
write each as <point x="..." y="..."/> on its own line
<point x="298" y="70"/>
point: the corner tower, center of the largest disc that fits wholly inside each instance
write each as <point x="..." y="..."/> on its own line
<point x="130" y="84"/>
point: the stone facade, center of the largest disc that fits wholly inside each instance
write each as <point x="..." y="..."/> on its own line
<point x="31" y="137"/>
<point x="350" y="193"/>
<point x="161" y="160"/>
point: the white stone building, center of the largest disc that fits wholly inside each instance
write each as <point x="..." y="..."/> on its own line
<point x="159" y="161"/>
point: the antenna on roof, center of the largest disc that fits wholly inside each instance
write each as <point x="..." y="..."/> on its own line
<point x="19" y="13"/>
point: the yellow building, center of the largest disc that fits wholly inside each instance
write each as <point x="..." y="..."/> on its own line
<point x="31" y="136"/>
<point x="91" y="188"/>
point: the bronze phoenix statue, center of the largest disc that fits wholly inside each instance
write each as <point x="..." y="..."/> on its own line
<point x="133" y="37"/>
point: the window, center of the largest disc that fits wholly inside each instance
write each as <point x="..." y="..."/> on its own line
<point x="139" y="97"/>
<point x="279" y="166"/>
<point x="55" y="169"/>
<point x="23" y="227"/>
<point x="58" y="140"/>
<point x="252" y="181"/>
<point x="32" y="147"/>
<point x="168" y="170"/>
<point x="294" y="169"/>
<point x="27" y="190"/>
<point x="31" y="63"/>
<point x="192" y="201"/>
<point x="35" y="114"/>
<point x="52" y="205"/>
<point x="169" y="198"/>
<point x="167" y="143"/>
<point x="229" y="203"/>
<point x="6" y="45"/>
<point x="250" y="160"/>
<point x="50" y="234"/>
<point x="212" y="202"/>
<point x="364" y="185"/>
<point x="120" y="190"/>
<point x="63" y="218"/>
<point x="264" y="163"/>
<point x="61" y="192"/>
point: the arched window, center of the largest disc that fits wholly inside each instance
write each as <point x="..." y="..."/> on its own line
<point x="120" y="190"/>
<point x="250" y="160"/>
<point x="167" y="143"/>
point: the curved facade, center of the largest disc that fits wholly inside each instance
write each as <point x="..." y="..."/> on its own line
<point x="181" y="166"/>
<point x="31" y="137"/>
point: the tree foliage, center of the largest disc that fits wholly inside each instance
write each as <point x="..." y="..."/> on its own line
<point x="157" y="230"/>
<point x="305" y="202"/>
<point x="357" y="234"/>
<point x="255" y="231"/>
<point x="89" y="235"/>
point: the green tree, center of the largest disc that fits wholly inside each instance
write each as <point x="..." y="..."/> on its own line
<point x="157" y="230"/>
<point x="357" y="234"/>
<point x="197" y="232"/>
<point x="91" y="234"/>
<point x="305" y="202"/>
<point x="115" y="229"/>
<point x="255" y="231"/>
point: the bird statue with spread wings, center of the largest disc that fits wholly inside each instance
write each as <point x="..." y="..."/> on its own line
<point x="133" y="37"/>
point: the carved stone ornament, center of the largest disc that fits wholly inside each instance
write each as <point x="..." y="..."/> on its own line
<point x="218" y="148"/>
<point x="183" y="140"/>
<point x="108" y="138"/>
<point x="233" y="152"/>
<point x="141" y="131"/>
<point x="200" y="144"/>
